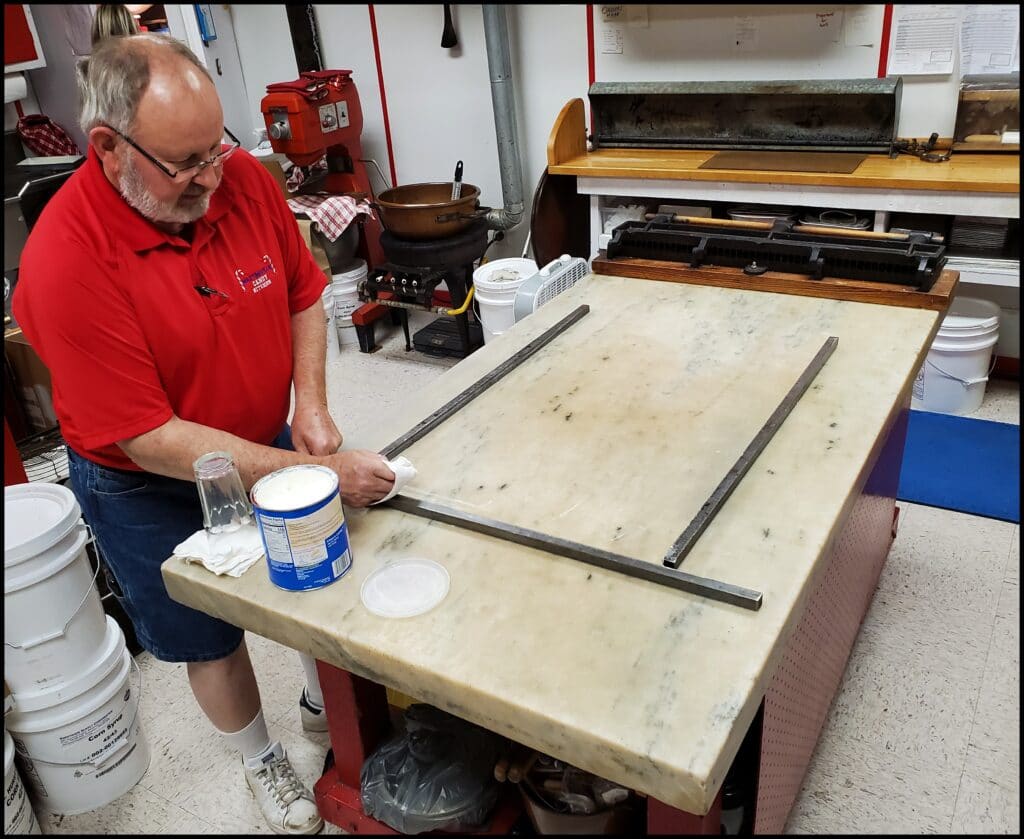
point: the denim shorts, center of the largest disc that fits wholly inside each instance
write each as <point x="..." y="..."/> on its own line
<point x="138" y="519"/>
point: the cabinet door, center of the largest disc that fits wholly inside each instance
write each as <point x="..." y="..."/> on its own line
<point x="22" y="50"/>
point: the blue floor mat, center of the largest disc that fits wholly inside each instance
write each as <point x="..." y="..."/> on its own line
<point x="963" y="464"/>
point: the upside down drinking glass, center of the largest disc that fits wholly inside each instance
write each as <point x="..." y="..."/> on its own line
<point x="226" y="506"/>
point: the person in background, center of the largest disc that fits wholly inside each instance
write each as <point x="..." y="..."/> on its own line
<point x="168" y="290"/>
<point x="112" y="20"/>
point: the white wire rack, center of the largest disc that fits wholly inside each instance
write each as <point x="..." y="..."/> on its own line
<point x="49" y="467"/>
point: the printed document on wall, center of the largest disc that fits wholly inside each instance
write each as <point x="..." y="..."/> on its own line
<point x="990" y="40"/>
<point x="924" y="40"/>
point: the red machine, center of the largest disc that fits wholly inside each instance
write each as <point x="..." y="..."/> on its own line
<point x="317" y="114"/>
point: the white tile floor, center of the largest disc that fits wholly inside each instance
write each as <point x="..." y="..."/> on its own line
<point x="923" y="736"/>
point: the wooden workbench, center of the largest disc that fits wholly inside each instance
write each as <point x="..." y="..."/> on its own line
<point x="614" y="436"/>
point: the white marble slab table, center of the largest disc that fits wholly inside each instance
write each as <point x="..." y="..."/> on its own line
<point x="613" y="436"/>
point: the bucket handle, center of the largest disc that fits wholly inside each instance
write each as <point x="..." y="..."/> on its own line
<point x="109" y="754"/>
<point x="965" y="382"/>
<point x="35" y="642"/>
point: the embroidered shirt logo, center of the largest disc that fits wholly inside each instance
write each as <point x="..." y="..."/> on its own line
<point x="259" y="279"/>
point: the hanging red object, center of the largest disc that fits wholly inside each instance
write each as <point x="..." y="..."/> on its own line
<point x="19" y="45"/>
<point x="44" y="137"/>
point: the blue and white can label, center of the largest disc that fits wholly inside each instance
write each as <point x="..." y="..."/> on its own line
<point x="302" y="524"/>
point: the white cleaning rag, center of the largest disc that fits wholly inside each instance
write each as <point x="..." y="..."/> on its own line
<point x="404" y="472"/>
<point x="223" y="553"/>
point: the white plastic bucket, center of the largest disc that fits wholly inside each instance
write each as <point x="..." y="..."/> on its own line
<point x="54" y="623"/>
<point x="496" y="284"/>
<point x="953" y="377"/>
<point x="19" y="817"/>
<point x="345" y="288"/>
<point x="83" y="751"/>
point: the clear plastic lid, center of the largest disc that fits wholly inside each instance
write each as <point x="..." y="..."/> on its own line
<point x="405" y="587"/>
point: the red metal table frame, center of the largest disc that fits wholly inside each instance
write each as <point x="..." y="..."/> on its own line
<point x="794" y="706"/>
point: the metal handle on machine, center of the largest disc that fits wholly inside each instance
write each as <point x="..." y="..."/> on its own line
<point x="380" y="174"/>
<point x="480" y="213"/>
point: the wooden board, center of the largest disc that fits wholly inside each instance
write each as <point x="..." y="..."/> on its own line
<point x="568" y="155"/>
<point x="861" y="291"/>
<point x="560" y="220"/>
<point x="786" y="161"/>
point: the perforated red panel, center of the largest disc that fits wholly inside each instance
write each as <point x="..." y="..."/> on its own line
<point x="798" y="699"/>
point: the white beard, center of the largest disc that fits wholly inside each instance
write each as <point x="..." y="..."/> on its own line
<point x="133" y="190"/>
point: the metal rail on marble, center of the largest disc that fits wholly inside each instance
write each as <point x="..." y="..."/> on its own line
<point x="704" y="586"/>
<point x="427" y="425"/>
<point x="709" y="509"/>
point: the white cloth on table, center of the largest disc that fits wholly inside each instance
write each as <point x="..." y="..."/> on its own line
<point x="223" y="553"/>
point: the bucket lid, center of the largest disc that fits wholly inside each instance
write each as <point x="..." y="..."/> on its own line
<point x="36" y="516"/>
<point x="78" y="682"/>
<point x="405" y="588"/>
<point x="971" y="313"/>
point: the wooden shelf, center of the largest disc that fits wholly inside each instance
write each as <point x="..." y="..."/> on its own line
<point x="567" y="155"/>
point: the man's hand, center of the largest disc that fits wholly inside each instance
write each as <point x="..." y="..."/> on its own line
<point x="314" y="432"/>
<point x="363" y="476"/>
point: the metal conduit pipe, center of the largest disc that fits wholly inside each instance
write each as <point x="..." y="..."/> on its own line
<point x="503" y="100"/>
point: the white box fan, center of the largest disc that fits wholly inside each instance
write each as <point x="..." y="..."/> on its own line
<point x="550" y="281"/>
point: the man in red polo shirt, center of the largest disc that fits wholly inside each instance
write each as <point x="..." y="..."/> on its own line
<point x="170" y="294"/>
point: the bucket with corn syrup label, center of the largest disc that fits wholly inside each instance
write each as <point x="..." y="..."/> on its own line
<point x="302" y="524"/>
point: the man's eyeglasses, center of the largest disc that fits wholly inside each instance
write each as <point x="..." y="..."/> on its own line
<point x="186" y="171"/>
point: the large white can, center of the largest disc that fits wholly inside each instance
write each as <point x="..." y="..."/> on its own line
<point x="302" y="524"/>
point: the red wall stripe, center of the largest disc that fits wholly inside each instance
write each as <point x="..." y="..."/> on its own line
<point x="883" y="55"/>
<point x="591" y="68"/>
<point x="591" y="73"/>
<point x="383" y="95"/>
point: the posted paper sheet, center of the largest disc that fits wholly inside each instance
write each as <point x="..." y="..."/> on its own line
<point x="990" y="40"/>
<point x="924" y="40"/>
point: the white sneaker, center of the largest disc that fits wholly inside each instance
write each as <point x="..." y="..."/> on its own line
<point x="313" y="718"/>
<point x="285" y="803"/>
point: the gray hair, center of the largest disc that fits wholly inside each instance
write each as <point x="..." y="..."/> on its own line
<point x="112" y="80"/>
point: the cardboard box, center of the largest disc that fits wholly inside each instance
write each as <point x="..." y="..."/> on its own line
<point x="319" y="254"/>
<point x="32" y="382"/>
<point x="273" y="165"/>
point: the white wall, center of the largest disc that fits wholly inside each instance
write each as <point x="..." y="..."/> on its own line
<point x="264" y="50"/>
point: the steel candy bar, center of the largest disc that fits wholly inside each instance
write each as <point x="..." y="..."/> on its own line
<point x="713" y="589"/>
<point x="473" y="391"/>
<point x="684" y="544"/>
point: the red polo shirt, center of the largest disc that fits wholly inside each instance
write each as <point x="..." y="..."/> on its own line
<point x="108" y="301"/>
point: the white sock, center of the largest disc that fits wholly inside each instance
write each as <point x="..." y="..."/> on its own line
<point x="313" y="692"/>
<point x="253" y="741"/>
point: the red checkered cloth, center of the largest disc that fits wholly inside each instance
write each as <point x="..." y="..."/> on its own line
<point x="45" y="138"/>
<point x="332" y="213"/>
